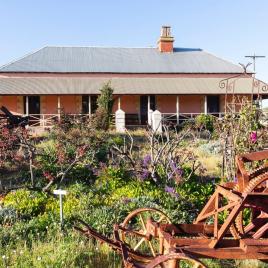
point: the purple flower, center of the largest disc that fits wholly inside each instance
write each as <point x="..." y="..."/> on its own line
<point x="253" y="136"/>
<point x="126" y="200"/>
<point x="176" y="169"/>
<point x="171" y="191"/>
<point x="144" y="174"/>
<point x="95" y="171"/>
<point x="146" y="160"/>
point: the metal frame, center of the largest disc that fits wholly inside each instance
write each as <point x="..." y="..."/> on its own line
<point x="203" y="239"/>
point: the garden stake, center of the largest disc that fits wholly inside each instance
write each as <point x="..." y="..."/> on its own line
<point x="60" y="193"/>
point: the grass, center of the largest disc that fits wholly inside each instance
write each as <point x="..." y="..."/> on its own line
<point x="63" y="250"/>
<point x="70" y="249"/>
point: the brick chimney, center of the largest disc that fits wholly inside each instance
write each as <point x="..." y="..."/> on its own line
<point x="165" y="42"/>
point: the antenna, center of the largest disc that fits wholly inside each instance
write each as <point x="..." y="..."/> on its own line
<point x="254" y="57"/>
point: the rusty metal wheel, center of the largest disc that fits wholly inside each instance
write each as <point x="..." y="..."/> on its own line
<point x="135" y="234"/>
<point x="257" y="225"/>
<point x="175" y="260"/>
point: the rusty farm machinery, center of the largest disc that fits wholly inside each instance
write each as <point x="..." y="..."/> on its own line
<point x="147" y="238"/>
<point x="10" y="120"/>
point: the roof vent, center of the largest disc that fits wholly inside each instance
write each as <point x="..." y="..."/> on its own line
<point x="165" y="43"/>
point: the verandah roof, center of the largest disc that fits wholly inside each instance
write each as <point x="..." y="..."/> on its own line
<point x="61" y="86"/>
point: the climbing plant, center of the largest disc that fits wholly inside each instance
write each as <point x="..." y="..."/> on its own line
<point x="240" y="133"/>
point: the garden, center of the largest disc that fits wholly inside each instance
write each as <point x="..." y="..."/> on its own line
<point x="107" y="175"/>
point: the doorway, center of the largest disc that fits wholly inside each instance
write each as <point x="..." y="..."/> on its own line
<point x="33" y="109"/>
<point x="213" y="104"/>
<point x="144" y="108"/>
<point x="33" y="105"/>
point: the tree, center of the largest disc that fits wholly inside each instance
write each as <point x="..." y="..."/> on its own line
<point x="103" y="115"/>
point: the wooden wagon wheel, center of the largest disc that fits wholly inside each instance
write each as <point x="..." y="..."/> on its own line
<point x="136" y="235"/>
<point x="175" y="260"/>
<point x="258" y="224"/>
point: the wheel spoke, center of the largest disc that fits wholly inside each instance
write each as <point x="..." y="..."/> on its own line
<point x="138" y="245"/>
<point x="260" y="231"/>
<point x="142" y="222"/>
<point x="135" y="234"/>
<point x="152" y="249"/>
<point x="161" y="218"/>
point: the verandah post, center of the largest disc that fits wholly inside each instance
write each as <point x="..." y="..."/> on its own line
<point x="178" y="109"/>
<point x="27" y="105"/>
<point x="149" y="114"/>
<point x="119" y="103"/>
<point x="205" y="105"/>
<point x="89" y="105"/>
<point x="59" y="107"/>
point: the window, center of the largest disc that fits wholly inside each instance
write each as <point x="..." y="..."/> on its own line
<point x="85" y="104"/>
<point x="94" y="104"/>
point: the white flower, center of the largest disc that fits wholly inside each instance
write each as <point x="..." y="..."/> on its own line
<point x="39" y="258"/>
<point x="3" y="257"/>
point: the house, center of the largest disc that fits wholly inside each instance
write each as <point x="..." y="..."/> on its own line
<point x="178" y="82"/>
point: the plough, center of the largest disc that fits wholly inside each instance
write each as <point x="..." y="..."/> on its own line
<point x="11" y="121"/>
<point x="232" y="225"/>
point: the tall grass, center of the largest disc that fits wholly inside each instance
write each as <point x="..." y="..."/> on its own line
<point x="62" y="250"/>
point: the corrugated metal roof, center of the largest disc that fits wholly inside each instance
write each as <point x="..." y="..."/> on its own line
<point x="43" y="86"/>
<point x="120" y="60"/>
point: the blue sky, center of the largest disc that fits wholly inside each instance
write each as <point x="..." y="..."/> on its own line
<point x="228" y="28"/>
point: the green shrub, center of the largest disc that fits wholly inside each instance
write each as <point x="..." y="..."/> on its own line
<point x="205" y="122"/>
<point x="103" y="115"/>
<point x="8" y="215"/>
<point x="111" y="178"/>
<point x="26" y="203"/>
<point x="71" y="205"/>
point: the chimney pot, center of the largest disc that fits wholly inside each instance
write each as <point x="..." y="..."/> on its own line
<point x="165" y="43"/>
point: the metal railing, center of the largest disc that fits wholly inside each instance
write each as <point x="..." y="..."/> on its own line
<point x="182" y="117"/>
<point x="49" y="120"/>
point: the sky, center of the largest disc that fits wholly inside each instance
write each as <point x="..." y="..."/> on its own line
<point x="230" y="29"/>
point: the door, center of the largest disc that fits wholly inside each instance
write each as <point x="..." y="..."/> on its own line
<point x="34" y="105"/>
<point x="144" y="108"/>
<point x="213" y="104"/>
<point x="33" y="109"/>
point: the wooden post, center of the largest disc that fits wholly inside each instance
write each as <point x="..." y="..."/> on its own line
<point x="27" y="105"/>
<point x="148" y="110"/>
<point x="178" y="109"/>
<point x="59" y="107"/>
<point x="119" y="103"/>
<point x="205" y="105"/>
<point x="89" y="104"/>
